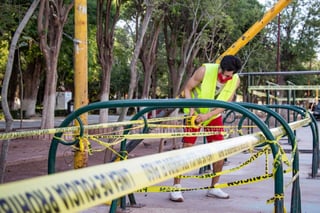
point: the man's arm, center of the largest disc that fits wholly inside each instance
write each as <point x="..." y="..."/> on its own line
<point x="194" y="81"/>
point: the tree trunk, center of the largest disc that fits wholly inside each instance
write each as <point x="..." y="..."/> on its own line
<point x="148" y="55"/>
<point x="5" y="85"/>
<point x="49" y="100"/>
<point x="154" y="84"/>
<point x="134" y="61"/>
<point x="31" y="87"/>
<point x="51" y="20"/>
<point x="148" y="68"/>
<point x="13" y="88"/>
<point x="183" y="46"/>
<point x="178" y="67"/>
<point x="105" y="89"/>
<point x="106" y="23"/>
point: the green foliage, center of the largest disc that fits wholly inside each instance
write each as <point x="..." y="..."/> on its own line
<point x="227" y="21"/>
<point x="244" y="14"/>
<point x="94" y="69"/>
<point x="300" y="31"/>
<point x="4" y="50"/>
<point x="120" y="77"/>
<point x="10" y="16"/>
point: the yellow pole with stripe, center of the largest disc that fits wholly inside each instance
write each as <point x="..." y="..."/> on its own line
<point x="255" y="29"/>
<point x="81" y="74"/>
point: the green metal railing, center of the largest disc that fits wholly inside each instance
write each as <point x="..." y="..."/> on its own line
<point x="180" y="103"/>
<point x="315" y="134"/>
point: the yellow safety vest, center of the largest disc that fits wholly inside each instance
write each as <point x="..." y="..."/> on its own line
<point x="207" y="89"/>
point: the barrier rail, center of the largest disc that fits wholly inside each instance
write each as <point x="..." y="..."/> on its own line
<point x="296" y="194"/>
<point x="315" y="134"/>
<point x="176" y="103"/>
<point x="81" y="189"/>
<point x="101" y="182"/>
<point x="284" y="87"/>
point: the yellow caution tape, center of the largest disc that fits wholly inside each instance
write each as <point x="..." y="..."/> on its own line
<point x="150" y="122"/>
<point x="76" y="190"/>
<point x="13" y="135"/>
<point x="81" y="189"/>
<point x="158" y="135"/>
<point x="220" y="185"/>
<point x="276" y="197"/>
<point x="242" y="165"/>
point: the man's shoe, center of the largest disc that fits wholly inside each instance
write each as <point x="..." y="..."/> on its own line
<point x="176" y="196"/>
<point x="218" y="193"/>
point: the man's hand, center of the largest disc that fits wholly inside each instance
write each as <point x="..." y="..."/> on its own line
<point x="201" y="118"/>
<point x="191" y="112"/>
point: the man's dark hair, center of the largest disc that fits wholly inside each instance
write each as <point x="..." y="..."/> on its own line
<point x="230" y="63"/>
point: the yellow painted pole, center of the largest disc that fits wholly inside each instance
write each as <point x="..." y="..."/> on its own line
<point x="81" y="74"/>
<point x="255" y="29"/>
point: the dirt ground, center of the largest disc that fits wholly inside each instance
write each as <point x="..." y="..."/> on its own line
<point x="28" y="158"/>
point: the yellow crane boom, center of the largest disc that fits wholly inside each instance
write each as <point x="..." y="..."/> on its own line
<point x="255" y="29"/>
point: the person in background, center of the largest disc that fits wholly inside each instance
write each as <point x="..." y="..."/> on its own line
<point x="216" y="82"/>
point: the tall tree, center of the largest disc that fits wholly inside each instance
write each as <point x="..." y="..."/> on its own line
<point x="120" y="69"/>
<point x="148" y="54"/>
<point x="299" y="39"/>
<point x="141" y="31"/>
<point x="242" y="14"/>
<point x="300" y="33"/>
<point x="186" y="26"/>
<point x="108" y="13"/>
<point x="4" y="90"/>
<point x="51" y="20"/>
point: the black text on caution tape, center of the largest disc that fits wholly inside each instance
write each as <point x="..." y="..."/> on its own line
<point x="68" y="195"/>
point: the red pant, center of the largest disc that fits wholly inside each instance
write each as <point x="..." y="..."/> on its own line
<point x="210" y="127"/>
